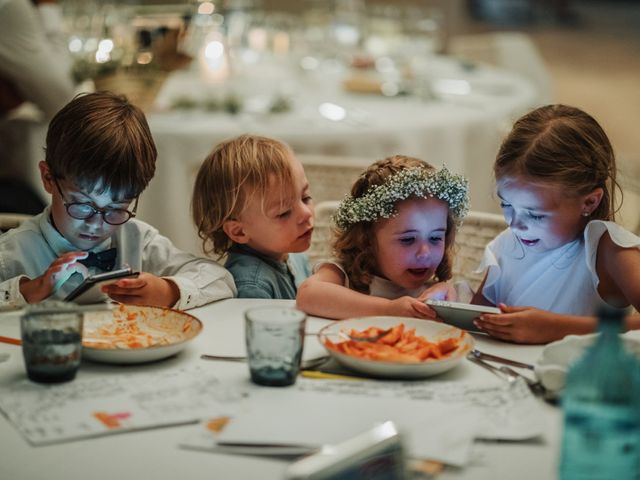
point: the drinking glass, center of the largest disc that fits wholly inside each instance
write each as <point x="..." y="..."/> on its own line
<point x="275" y="337"/>
<point x="51" y="341"/>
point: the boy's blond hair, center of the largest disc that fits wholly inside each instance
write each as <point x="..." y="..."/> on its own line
<point x="236" y="169"/>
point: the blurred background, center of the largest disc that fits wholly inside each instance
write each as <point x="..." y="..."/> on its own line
<point x="345" y="82"/>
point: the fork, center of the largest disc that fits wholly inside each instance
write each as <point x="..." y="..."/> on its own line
<point x="502" y="374"/>
<point x="372" y="338"/>
<point x="510" y="375"/>
<point x="495" y="358"/>
<point x="304" y="364"/>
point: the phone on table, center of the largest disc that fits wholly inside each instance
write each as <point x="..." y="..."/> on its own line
<point x="377" y="453"/>
<point x="460" y="315"/>
<point x="90" y="291"/>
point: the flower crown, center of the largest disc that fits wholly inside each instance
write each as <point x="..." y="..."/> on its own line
<point x="380" y="200"/>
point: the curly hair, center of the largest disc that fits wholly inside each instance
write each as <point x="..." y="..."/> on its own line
<point x="355" y="247"/>
<point x="563" y="145"/>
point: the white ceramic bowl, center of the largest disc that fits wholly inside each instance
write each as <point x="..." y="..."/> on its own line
<point x="557" y="357"/>
<point x="136" y="334"/>
<point x="432" y="331"/>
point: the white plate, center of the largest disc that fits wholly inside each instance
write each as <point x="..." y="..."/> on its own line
<point x="432" y="331"/>
<point x="136" y="334"/>
<point x="557" y="357"/>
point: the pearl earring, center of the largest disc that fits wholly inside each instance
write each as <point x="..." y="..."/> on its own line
<point x="585" y="214"/>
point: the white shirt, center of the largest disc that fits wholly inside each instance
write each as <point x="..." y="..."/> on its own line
<point x="29" y="250"/>
<point x="563" y="280"/>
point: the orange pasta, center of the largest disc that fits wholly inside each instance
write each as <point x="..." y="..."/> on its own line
<point x="126" y="332"/>
<point x="396" y="346"/>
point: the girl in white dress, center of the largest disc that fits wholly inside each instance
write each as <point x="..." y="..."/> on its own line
<point x="562" y="254"/>
<point x="393" y="240"/>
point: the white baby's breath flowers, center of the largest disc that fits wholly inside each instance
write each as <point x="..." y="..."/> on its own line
<point x="380" y="200"/>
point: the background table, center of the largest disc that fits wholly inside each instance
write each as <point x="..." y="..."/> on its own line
<point x="155" y="453"/>
<point x="460" y="124"/>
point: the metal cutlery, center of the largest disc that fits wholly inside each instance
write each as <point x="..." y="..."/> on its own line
<point x="304" y="365"/>
<point x="534" y="385"/>
<point x="493" y="369"/>
<point x="495" y="358"/>
<point x="356" y="338"/>
<point x="509" y="374"/>
<point x="362" y="338"/>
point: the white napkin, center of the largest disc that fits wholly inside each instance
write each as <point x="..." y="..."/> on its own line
<point x="432" y="430"/>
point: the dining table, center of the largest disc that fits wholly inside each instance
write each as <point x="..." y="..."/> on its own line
<point x="454" y="113"/>
<point x="156" y="452"/>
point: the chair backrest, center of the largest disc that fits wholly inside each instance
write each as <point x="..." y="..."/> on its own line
<point x="629" y="180"/>
<point x="478" y="229"/>
<point x="11" y="220"/>
<point x="322" y="236"/>
<point x="331" y="177"/>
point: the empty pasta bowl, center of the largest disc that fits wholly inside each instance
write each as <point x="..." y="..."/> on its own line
<point x="412" y="348"/>
<point x="136" y="334"/>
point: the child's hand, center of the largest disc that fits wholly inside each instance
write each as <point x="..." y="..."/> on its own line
<point x="59" y="271"/>
<point x="520" y="325"/>
<point x="439" y="291"/>
<point x="410" y="307"/>
<point x="145" y="289"/>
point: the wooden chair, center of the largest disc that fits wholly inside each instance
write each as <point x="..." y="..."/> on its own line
<point x="478" y="229"/>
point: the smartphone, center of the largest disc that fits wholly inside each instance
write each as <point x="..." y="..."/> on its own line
<point x="90" y="291"/>
<point x="377" y="453"/>
<point x="460" y="315"/>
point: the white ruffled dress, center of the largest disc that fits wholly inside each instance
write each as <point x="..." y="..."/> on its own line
<point x="563" y="280"/>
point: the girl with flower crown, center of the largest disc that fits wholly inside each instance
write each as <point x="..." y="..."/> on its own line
<point x="562" y="255"/>
<point x="393" y="243"/>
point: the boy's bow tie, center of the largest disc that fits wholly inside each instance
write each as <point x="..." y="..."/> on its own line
<point x="104" y="260"/>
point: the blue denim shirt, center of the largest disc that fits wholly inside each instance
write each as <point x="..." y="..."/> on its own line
<point x="258" y="276"/>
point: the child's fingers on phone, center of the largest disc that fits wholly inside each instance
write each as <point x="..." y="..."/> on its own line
<point x="71" y="257"/>
<point x="125" y="286"/>
<point x="493" y="319"/>
<point x="498" y="332"/>
<point x="131" y="283"/>
<point x="126" y="298"/>
<point x="424" y="311"/>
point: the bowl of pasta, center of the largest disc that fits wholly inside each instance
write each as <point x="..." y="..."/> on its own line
<point x="412" y="348"/>
<point x="136" y="333"/>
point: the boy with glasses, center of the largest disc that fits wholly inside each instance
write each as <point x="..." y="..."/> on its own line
<point x="100" y="156"/>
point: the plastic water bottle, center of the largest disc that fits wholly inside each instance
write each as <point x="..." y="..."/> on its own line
<point x="601" y="404"/>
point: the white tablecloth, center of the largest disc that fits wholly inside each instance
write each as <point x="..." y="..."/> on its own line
<point x="462" y="131"/>
<point x="155" y="453"/>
